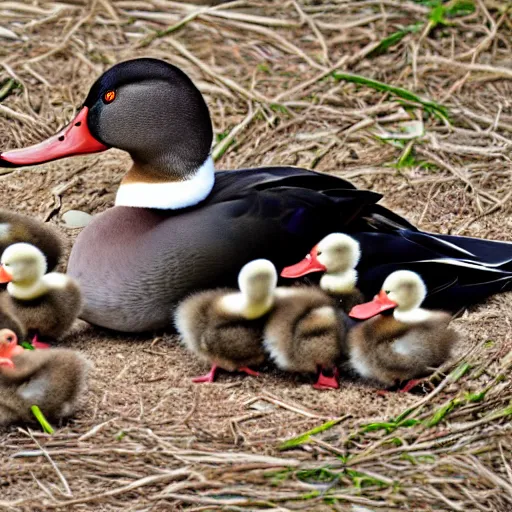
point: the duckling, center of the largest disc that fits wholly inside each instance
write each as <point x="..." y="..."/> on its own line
<point x="15" y="227"/>
<point x="304" y="333"/>
<point x="404" y="345"/>
<point x="337" y="255"/>
<point x="225" y="326"/>
<point x="46" y="304"/>
<point x="54" y="380"/>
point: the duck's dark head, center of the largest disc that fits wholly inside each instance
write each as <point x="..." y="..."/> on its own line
<point x="146" y="107"/>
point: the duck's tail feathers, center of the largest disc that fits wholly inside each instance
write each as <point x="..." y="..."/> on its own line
<point x="458" y="271"/>
<point x="490" y="253"/>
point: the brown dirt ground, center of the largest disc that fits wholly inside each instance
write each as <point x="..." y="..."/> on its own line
<point x="148" y="439"/>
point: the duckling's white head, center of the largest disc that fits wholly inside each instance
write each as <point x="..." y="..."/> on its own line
<point x="406" y="289"/>
<point x="22" y="264"/>
<point x="403" y="291"/>
<point x="338" y="253"/>
<point x="257" y="281"/>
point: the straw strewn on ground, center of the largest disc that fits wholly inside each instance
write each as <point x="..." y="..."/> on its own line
<point x="405" y="98"/>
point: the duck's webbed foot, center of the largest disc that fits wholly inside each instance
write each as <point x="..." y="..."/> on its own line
<point x="410" y="385"/>
<point x="326" y="382"/>
<point x="207" y="377"/>
<point x="248" y="371"/>
<point x="400" y="386"/>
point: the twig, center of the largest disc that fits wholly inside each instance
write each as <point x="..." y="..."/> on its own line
<point x="63" y="480"/>
<point x="495" y="71"/>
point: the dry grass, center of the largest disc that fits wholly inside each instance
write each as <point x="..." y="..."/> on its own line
<point x="272" y="73"/>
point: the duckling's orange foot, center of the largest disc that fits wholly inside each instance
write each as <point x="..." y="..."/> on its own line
<point x="325" y="382"/>
<point x="248" y="371"/>
<point x="207" y="377"/>
<point x="39" y="344"/>
<point x="410" y="385"/>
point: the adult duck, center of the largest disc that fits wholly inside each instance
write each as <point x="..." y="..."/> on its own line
<point x="178" y="226"/>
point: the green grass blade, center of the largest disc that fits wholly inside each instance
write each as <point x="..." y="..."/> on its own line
<point x="443" y="411"/>
<point x="459" y="372"/>
<point x="304" y="438"/>
<point x="388" y="426"/>
<point x="502" y="413"/>
<point x="41" y="419"/>
<point x="6" y="89"/>
<point x="394" y="39"/>
<point x="405" y="94"/>
<point x="460" y="8"/>
<point x="404" y="414"/>
<point x="442" y="13"/>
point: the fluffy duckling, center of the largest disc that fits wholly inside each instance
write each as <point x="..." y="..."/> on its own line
<point x="54" y="380"/>
<point x="224" y="326"/>
<point x="15" y="227"/>
<point x="402" y="346"/>
<point x="305" y="333"/>
<point x="337" y="256"/>
<point x="46" y="304"/>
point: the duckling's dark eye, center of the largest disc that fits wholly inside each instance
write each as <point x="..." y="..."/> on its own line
<point x="319" y="253"/>
<point x="109" y="96"/>
<point x="387" y="292"/>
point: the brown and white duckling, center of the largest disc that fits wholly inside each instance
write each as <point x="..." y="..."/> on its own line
<point x="46" y="304"/>
<point x="337" y="256"/>
<point x="225" y="326"/>
<point x="53" y="380"/>
<point x="15" y="228"/>
<point x="305" y="334"/>
<point x="405" y="345"/>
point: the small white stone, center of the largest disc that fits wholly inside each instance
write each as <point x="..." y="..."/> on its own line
<point x="76" y="219"/>
<point x="262" y="405"/>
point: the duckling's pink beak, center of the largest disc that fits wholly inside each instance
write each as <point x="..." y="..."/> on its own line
<point x="308" y="265"/>
<point x="380" y="303"/>
<point x="5" y="277"/>
<point x="74" y="139"/>
<point x="8" y="347"/>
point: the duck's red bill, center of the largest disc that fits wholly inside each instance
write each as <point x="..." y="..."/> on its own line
<point x="379" y="304"/>
<point x="74" y="139"/>
<point x="5" y="277"/>
<point x="308" y="265"/>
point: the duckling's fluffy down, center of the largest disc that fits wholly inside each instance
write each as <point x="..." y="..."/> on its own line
<point x="304" y="330"/>
<point x="52" y="379"/>
<point x="216" y="335"/>
<point x="387" y="350"/>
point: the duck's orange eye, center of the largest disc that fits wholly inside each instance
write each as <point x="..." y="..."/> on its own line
<point x="109" y="96"/>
